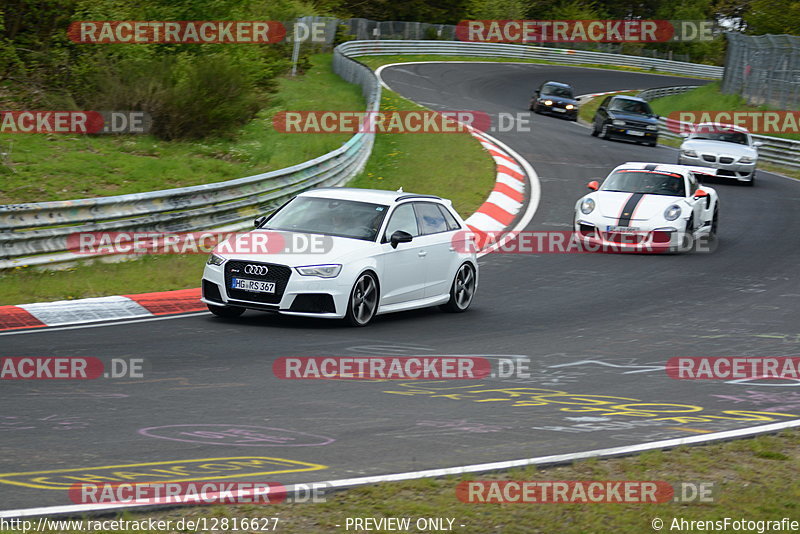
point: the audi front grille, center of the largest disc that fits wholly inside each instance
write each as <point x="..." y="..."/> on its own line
<point x="279" y="274"/>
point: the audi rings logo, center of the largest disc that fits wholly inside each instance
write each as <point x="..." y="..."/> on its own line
<point x="256" y="269"/>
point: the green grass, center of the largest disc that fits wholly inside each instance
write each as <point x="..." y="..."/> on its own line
<point x="708" y="98"/>
<point x="142" y="275"/>
<point x="376" y="61"/>
<point x="454" y="165"/>
<point x="754" y="479"/>
<point x="63" y="167"/>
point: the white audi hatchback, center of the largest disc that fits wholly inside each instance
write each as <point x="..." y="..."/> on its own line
<point x="378" y="252"/>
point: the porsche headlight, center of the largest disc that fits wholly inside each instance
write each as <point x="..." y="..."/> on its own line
<point x="548" y="102"/>
<point x="689" y="153"/>
<point x="323" y="271"/>
<point x="618" y="122"/>
<point x="652" y="127"/>
<point x="215" y="260"/>
<point x="569" y="106"/>
<point x="746" y="159"/>
<point x="587" y="206"/>
<point x="672" y="212"/>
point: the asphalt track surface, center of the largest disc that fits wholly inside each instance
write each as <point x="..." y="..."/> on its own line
<point x="592" y="324"/>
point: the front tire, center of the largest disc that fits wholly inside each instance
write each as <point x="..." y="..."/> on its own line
<point x="229" y="312"/>
<point x="363" y="301"/>
<point x="715" y="222"/>
<point x="604" y="132"/>
<point x="462" y="291"/>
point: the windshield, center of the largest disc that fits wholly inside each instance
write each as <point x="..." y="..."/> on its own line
<point x="729" y="137"/>
<point x="555" y="90"/>
<point x="649" y="182"/>
<point x="630" y="106"/>
<point x="329" y="216"/>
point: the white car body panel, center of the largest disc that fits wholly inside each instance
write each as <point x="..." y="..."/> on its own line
<point x="416" y="274"/>
<point x="725" y="158"/>
<point x="647" y="212"/>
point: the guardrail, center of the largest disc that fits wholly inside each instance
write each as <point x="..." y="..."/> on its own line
<point x="774" y="149"/>
<point x="557" y="55"/>
<point x="36" y="233"/>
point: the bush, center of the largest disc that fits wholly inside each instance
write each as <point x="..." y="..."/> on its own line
<point x="187" y="97"/>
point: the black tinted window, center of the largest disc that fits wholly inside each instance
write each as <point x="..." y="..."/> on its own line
<point x="403" y="218"/>
<point x="631" y="106"/>
<point x="452" y="223"/>
<point x="430" y="218"/>
<point x="556" y="90"/>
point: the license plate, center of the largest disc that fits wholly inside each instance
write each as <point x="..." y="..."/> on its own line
<point x="257" y="286"/>
<point x="560" y="110"/>
<point x="637" y="133"/>
<point x="624" y="230"/>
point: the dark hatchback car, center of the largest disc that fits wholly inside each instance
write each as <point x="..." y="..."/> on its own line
<point x="555" y="98"/>
<point x="626" y="117"/>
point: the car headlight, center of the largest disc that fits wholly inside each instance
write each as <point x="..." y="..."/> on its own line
<point x="689" y="153"/>
<point x="618" y="122"/>
<point x="652" y="127"/>
<point x="215" y="260"/>
<point x="323" y="271"/>
<point x="746" y="159"/>
<point x="569" y="106"/>
<point x="587" y="206"/>
<point x="672" y="212"/>
<point x="548" y="102"/>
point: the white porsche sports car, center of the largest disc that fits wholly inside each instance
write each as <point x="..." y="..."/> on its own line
<point x="648" y="207"/>
<point x="384" y="251"/>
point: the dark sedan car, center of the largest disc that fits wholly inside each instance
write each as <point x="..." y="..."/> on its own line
<point x="626" y="117"/>
<point x="555" y="98"/>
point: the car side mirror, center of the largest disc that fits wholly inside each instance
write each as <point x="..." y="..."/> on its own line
<point x="593" y="185"/>
<point x="758" y="144"/>
<point x="601" y="108"/>
<point x="258" y="222"/>
<point x="685" y="135"/>
<point x="400" y="237"/>
<point x="700" y="194"/>
<point x="536" y="92"/>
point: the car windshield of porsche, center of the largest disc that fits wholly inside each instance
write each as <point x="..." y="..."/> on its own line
<point x="329" y="216"/>
<point x="630" y="106"/>
<point x="647" y="182"/>
<point x="729" y="137"/>
<point x="556" y="90"/>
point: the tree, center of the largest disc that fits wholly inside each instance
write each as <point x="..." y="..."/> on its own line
<point x="773" y="16"/>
